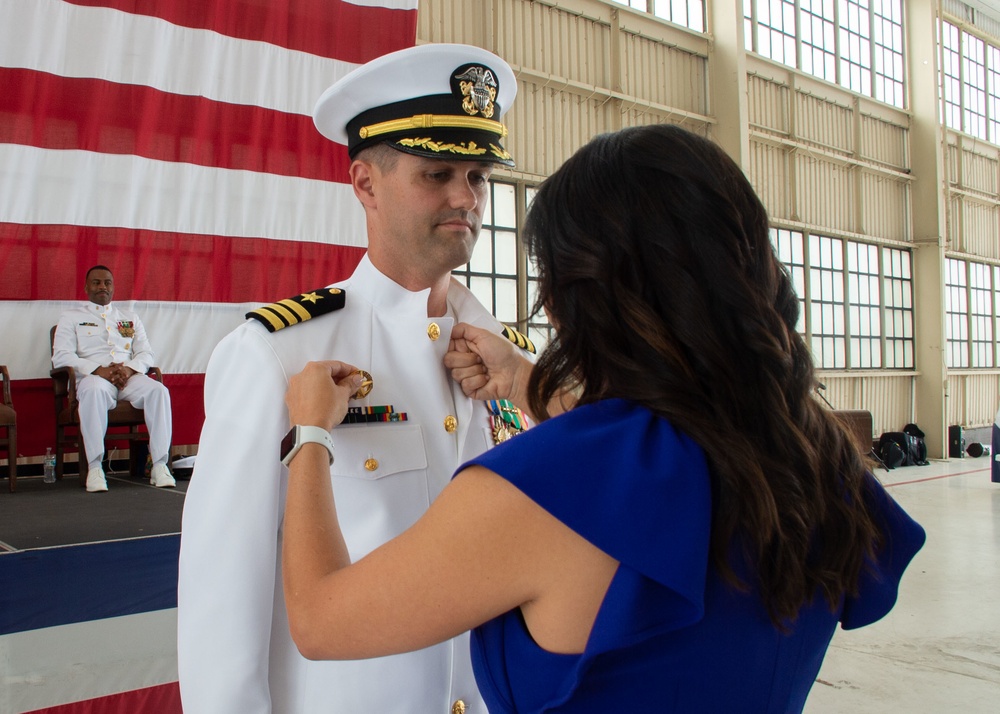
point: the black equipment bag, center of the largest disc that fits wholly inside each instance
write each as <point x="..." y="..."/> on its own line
<point x="903" y="448"/>
<point x="892" y="449"/>
<point x="916" y="446"/>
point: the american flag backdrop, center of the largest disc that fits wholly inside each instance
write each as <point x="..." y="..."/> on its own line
<point x="172" y="141"/>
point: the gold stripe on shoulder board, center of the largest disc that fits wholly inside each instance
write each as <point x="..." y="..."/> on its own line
<point x="298" y="309"/>
<point x="518" y="339"/>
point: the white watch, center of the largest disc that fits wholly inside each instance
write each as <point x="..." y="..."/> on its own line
<point x="299" y="435"/>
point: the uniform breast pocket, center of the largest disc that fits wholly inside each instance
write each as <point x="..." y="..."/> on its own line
<point x="89" y="334"/>
<point x="84" y="331"/>
<point x="372" y="452"/>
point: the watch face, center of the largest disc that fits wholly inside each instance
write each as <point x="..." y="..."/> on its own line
<point x="288" y="443"/>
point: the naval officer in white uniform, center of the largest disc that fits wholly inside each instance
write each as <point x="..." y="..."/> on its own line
<point x="423" y="131"/>
<point x="109" y="351"/>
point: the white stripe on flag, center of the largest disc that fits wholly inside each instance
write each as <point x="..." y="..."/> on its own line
<point x="41" y="186"/>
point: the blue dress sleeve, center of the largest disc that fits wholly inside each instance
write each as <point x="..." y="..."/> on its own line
<point x="631" y="484"/>
<point x="878" y="586"/>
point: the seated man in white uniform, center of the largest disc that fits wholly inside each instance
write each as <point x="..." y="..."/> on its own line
<point x="422" y="129"/>
<point x="108" y="350"/>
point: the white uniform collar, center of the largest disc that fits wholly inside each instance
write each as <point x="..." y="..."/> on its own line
<point x="386" y="294"/>
<point x="383" y="292"/>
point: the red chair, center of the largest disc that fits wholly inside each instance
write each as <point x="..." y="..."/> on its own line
<point x="124" y="415"/>
<point x="8" y="424"/>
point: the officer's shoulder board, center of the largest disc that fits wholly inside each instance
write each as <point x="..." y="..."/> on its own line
<point x="298" y="309"/>
<point x="518" y="339"/>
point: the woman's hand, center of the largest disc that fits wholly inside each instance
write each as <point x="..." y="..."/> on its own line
<point x="318" y="395"/>
<point x="487" y="365"/>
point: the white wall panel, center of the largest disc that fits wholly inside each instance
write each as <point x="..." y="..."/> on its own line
<point x="825" y="192"/>
<point x="768" y="173"/>
<point x="884" y="142"/>
<point x="824" y="123"/>
<point x="767" y="105"/>
<point x="953" y="223"/>
<point x="886" y="206"/>
<point x="851" y="162"/>
<point x="981" y="228"/>
<point x="664" y="75"/>
<point x="951" y="159"/>
<point x="973" y="398"/>
<point x="973" y="196"/>
<point x="438" y="20"/>
<point x="564" y="45"/>
<point x="547" y="126"/>
<point x="979" y="172"/>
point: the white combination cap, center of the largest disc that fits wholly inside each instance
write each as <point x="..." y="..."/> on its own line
<point x="443" y="101"/>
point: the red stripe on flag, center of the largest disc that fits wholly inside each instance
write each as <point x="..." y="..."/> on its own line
<point x="33" y="402"/>
<point x="52" y="112"/>
<point x="162" y="699"/>
<point x="327" y="28"/>
<point x="47" y="262"/>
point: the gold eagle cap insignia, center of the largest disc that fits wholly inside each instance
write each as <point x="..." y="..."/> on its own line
<point x="479" y="89"/>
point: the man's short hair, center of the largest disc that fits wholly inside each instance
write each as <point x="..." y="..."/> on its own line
<point x="97" y="267"/>
<point x="381" y="155"/>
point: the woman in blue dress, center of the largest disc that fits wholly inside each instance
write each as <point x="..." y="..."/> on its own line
<point x="683" y="527"/>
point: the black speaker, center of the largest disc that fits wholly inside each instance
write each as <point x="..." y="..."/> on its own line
<point x="956" y="442"/>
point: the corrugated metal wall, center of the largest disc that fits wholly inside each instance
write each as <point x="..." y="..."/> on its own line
<point x="973" y="169"/>
<point x="971" y="395"/>
<point x="848" y="156"/>
<point x="583" y="68"/>
<point x="822" y="159"/>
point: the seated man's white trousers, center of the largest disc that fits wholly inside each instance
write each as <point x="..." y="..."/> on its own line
<point x="97" y="396"/>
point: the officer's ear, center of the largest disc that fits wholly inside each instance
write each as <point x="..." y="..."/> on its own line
<point x="361" y="181"/>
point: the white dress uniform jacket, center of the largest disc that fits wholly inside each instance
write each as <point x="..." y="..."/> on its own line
<point x="88" y="337"/>
<point x="235" y="654"/>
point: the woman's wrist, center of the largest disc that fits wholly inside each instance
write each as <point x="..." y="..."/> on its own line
<point x="519" y="387"/>
<point x="302" y="436"/>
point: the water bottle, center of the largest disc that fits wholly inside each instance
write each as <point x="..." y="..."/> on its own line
<point x="50" y="466"/>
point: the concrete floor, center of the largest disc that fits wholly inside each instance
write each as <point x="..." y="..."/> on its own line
<point x="937" y="652"/>
<point x="939" y="649"/>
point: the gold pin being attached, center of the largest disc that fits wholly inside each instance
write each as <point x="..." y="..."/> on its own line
<point x="366" y="384"/>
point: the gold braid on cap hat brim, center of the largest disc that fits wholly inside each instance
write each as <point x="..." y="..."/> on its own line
<point x="432" y="121"/>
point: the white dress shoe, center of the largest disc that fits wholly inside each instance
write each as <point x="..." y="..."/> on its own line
<point x="96" y="481"/>
<point x="160" y="477"/>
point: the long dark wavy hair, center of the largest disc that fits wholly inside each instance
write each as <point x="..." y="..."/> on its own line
<point x="656" y="268"/>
